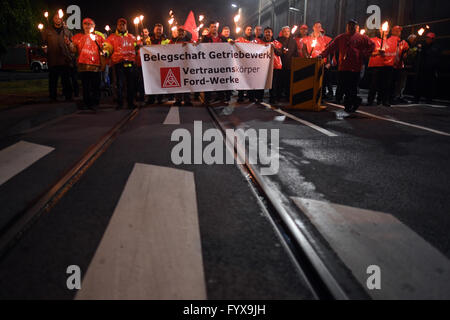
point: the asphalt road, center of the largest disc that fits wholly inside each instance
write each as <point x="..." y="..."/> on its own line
<point x="370" y="189"/>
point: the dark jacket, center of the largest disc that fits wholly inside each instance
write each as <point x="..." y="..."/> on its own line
<point x="429" y="56"/>
<point x="291" y="45"/>
<point x="58" y="53"/>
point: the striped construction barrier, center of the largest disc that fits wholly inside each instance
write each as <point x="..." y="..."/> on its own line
<point x="306" y="84"/>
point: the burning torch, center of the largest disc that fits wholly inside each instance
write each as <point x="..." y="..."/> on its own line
<point x="294" y="29"/>
<point x="40" y="26"/>
<point x="136" y="25"/>
<point x="313" y="46"/>
<point x="141" y="19"/>
<point x="92" y="36"/>
<point x="46" y="17"/>
<point x="421" y="31"/>
<point x="384" y="29"/>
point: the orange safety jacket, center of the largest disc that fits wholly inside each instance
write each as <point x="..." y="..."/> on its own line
<point x="321" y="45"/>
<point x="122" y="48"/>
<point x="377" y="60"/>
<point x="87" y="49"/>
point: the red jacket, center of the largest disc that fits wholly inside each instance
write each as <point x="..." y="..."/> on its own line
<point x="395" y="51"/>
<point x="88" y="51"/>
<point x="376" y="60"/>
<point x="277" y="65"/>
<point x="244" y="40"/>
<point x="321" y="45"/>
<point x="300" y="44"/>
<point x="353" y="50"/>
<point x="123" y="47"/>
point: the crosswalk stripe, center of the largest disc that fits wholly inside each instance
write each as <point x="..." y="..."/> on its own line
<point x="16" y="158"/>
<point x="151" y="248"/>
<point x="395" y="121"/>
<point x="410" y="267"/>
<point x="173" y="117"/>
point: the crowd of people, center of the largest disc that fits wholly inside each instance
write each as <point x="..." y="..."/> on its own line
<point x="98" y="59"/>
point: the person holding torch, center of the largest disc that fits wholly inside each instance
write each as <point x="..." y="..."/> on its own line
<point x="91" y="62"/>
<point x="121" y="47"/>
<point x="57" y="38"/>
<point x="381" y="73"/>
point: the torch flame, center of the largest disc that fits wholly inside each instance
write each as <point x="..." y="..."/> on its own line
<point x="237" y="18"/>
<point x="421" y="31"/>
<point x="170" y="13"/>
<point x="60" y="13"/>
<point x="174" y="28"/>
<point x="294" y="28"/>
<point x="138" y="38"/>
<point x="314" y="43"/>
<point x="136" y="20"/>
<point x="141" y="18"/>
<point x="171" y="21"/>
<point x="385" y="26"/>
<point x="217" y="25"/>
<point x="46" y="14"/>
<point x="200" y="26"/>
<point x="92" y="36"/>
<point x="107" y="28"/>
<point x="201" y="17"/>
<point x="238" y="29"/>
<point x="40" y="26"/>
<point x="363" y="31"/>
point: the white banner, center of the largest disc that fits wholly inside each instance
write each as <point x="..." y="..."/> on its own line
<point x="177" y="68"/>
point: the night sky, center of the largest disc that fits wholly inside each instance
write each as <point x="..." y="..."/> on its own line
<point x="107" y="12"/>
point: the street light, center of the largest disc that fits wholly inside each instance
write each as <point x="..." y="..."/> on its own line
<point x="234" y="5"/>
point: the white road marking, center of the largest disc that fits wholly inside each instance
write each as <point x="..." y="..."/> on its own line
<point x="173" y="117"/>
<point x="307" y="123"/>
<point x="395" y="121"/>
<point x="151" y="248"/>
<point x="419" y="105"/>
<point x="410" y="267"/>
<point x="16" y="158"/>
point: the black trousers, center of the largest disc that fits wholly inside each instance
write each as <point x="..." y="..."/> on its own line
<point x="91" y="88"/>
<point x="140" y="85"/>
<point x="381" y="84"/>
<point x="250" y="94"/>
<point x="186" y="97"/>
<point x="128" y="75"/>
<point x="327" y="83"/>
<point x="54" y="73"/>
<point x="349" y="86"/>
<point x="425" y="83"/>
<point x="74" y="81"/>
<point x="275" y="92"/>
<point x="284" y="89"/>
